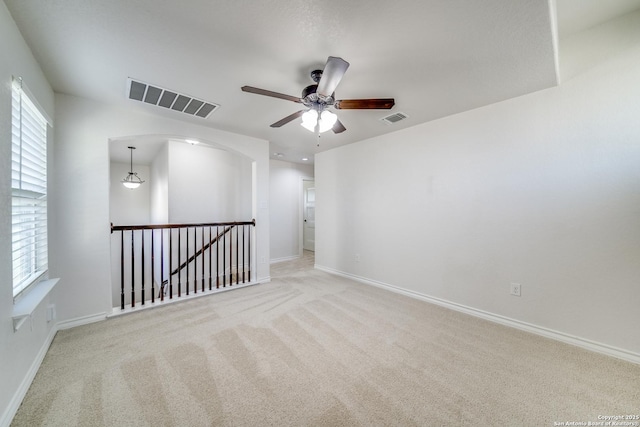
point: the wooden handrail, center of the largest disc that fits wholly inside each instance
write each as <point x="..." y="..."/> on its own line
<point x="161" y="226"/>
<point x="201" y="250"/>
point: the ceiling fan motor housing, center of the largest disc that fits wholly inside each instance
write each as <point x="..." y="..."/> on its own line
<point x="316" y="75"/>
<point x="309" y="90"/>
<point x="311" y="99"/>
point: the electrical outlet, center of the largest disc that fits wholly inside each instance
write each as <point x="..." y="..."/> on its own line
<point x="515" y="289"/>
<point x="357" y="257"/>
<point x="51" y="312"/>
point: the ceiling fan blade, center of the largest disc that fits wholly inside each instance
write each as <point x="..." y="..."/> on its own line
<point x="338" y="127"/>
<point x="365" y="104"/>
<point x="265" y="92"/>
<point x="333" y="71"/>
<point x="287" y="119"/>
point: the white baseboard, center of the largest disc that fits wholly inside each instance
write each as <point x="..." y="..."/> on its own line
<point x="587" y="344"/>
<point x="284" y="259"/>
<point x="21" y="392"/>
<point x="117" y="311"/>
<point x="79" y="321"/>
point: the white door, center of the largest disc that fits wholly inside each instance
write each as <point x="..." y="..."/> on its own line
<point x="309" y="216"/>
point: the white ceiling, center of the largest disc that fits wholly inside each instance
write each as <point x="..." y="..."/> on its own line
<point x="435" y="57"/>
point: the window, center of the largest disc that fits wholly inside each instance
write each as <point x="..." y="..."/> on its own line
<point x="28" y="190"/>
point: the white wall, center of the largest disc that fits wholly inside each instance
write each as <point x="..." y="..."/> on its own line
<point x="81" y="240"/>
<point x="22" y="351"/>
<point x="542" y="190"/>
<point x="159" y="176"/>
<point x="285" y="207"/>
<point x="208" y="184"/>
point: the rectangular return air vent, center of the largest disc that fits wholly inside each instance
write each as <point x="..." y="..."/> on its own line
<point x="154" y="95"/>
<point x="394" y="118"/>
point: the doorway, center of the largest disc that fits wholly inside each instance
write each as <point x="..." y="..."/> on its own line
<point x="309" y="215"/>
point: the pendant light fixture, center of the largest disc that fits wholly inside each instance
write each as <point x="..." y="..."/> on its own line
<point x="132" y="180"/>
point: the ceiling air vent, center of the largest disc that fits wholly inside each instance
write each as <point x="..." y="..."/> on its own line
<point x="394" y="118"/>
<point x="139" y="91"/>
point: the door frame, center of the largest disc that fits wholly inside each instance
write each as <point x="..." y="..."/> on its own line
<point x="301" y="212"/>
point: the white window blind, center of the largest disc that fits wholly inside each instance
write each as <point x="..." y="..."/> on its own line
<point x="29" y="190"/>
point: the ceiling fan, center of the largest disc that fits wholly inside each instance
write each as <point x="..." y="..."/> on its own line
<point x="321" y="95"/>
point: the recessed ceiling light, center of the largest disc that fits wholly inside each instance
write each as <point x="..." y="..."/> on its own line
<point x="192" y="141"/>
<point x="304" y="159"/>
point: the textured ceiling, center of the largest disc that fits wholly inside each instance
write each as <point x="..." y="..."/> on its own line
<point x="436" y="58"/>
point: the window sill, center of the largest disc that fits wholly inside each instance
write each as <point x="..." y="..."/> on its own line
<point x="24" y="308"/>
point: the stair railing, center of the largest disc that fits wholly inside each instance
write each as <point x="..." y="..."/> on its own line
<point x="213" y="254"/>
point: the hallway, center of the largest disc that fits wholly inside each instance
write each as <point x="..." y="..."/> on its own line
<point x="300" y="265"/>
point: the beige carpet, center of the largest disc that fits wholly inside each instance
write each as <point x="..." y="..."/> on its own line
<point x="312" y="349"/>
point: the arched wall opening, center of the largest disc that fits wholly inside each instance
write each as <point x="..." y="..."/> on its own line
<point x="185" y="183"/>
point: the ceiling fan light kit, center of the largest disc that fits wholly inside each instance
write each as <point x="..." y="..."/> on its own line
<point x="310" y="120"/>
<point x="320" y="96"/>
<point x="321" y="123"/>
<point x="326" y="121"/>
